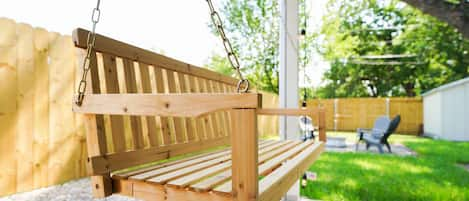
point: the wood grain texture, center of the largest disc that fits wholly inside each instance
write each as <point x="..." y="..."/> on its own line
<point x="244" y="154"/>
<point x="8" y="105"/>
<point x="135" y="121"/>
<point x="41" y="108"/>
<point x="112" y="87"/>
<point x="179" y="105"/>
<point x="153" y="132"/>
<point x="114" y="47"/>
<point x="25" y="98"/>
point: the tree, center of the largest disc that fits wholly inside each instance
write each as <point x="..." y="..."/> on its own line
<point x="422" y="52"/>
<point x="453" y="12"/>
<point x="253" y="28"/>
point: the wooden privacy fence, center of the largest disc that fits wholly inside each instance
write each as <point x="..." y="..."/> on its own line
<point x="348" y="114"/>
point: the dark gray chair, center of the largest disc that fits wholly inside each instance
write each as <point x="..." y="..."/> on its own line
<point x="380" y="126"/>
<point x="380" y="140"/>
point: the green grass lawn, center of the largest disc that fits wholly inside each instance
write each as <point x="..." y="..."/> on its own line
<point x="432" y="175"/>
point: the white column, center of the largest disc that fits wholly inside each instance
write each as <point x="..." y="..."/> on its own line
<point x="288" y="80"/>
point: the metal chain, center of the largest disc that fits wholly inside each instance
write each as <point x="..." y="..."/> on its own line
<point x="232" y="57"/>
<point x="90" y="42"/>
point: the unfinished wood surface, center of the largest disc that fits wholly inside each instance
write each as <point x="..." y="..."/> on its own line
<point x="135" y="121"/>
<point x="112" y="87"/>
<point x="122" y="160"/>
<point x="62" y="161"/>
<point x="201" y="126"/>
<point x="275" y="185"/>
<point x="184" y="180"/>
<point x="25" y="98"/>
<point x="176" y="180"/>
<point x="41" y="109"/>
<point x="152" y="130"/>
<point x="179" y="123"/>
<point x="244" y="154"/>
<point x="189" y="123"/>
<point x="114" y="47"/>
<point x="128" y="173"/>
<point x="219" y="173"/>
<point x="8" y="105"/>
<point x="322" y="125"/>
<point x="208" y="119"/>
<point x="164" y="121"/>
<point x="286" y="111"/>
<point x="268" y="166"/>
<point x="181" y="105"/>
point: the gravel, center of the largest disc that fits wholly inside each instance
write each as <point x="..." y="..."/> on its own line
<point x="76" y="190"/>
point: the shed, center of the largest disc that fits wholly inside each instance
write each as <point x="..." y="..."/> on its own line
<point x="446" y="111"/>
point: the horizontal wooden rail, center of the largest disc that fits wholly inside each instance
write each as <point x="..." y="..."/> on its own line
<point x="110" y="46"/>
<point x="287" y="111"/>
<point x="177" y="105"/>
<point x="299" y="112"/>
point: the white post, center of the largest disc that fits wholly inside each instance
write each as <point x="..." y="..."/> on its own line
<point x="288" y="80"/>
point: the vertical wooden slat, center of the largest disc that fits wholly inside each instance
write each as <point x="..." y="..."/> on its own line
<point x="153" y="133"/>
<point x="41" y="108"/>
<point x="94" y="127"/>
<point x="244" y="154"/>
<point x="208" y="119"/>
<point x="164" y="120"/>
<point x="25" y="97"/>
<point x="135" y="121"/>
<point x="178" y="121"/>
<point x="217" y="126"/>
<point x="189" y="122"/>
<point x="226" y="89"/>
<point x="112" y="86"/>
<point x="63" y="140"/>
<point x="223" y="115"/>
<point x="200" y="125"/>
<point x="8" y="91"/>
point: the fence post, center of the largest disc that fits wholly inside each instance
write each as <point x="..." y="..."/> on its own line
<point x="387" y="107"/>
<point x="336" y="112"/>
<point x="322" y="125"/>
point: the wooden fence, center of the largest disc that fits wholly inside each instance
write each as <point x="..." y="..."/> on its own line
<point x="348" y="114"/>
<point x="42" y="142"/>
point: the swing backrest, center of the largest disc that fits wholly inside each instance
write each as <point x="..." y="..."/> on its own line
<point x="117" y="67"/>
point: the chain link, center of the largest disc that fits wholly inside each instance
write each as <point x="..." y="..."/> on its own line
<point x="90" y="42"/>
<point x="232" y="57"/>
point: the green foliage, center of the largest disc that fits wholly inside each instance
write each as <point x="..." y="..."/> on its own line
<point x="434" y="174"/>
<point x="253" y="29"/>
<point x="354" y="28"/>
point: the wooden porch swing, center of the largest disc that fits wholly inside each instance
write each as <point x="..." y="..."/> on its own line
<point x="145" y="112"/>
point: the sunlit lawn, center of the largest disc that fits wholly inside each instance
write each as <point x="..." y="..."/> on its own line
<point x="432" y="175"/>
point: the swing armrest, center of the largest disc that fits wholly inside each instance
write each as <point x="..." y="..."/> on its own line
<point x="171" y="105"/>
<point x="319" y="113"/>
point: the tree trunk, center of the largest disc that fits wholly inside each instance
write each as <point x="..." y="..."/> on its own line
<point x="456" y="15"/>
<point x="409" y="89"/>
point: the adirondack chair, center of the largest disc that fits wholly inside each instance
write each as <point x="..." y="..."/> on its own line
<point x="306" y="127"/>
<point x="142" y="108"/>
<point x="379" y="140"/>
<point x="380" y="126"/>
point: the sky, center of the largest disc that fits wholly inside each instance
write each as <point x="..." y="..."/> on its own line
<point x="176" y="28"/>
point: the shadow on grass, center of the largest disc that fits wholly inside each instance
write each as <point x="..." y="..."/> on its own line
<point x="434" y="175"/>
